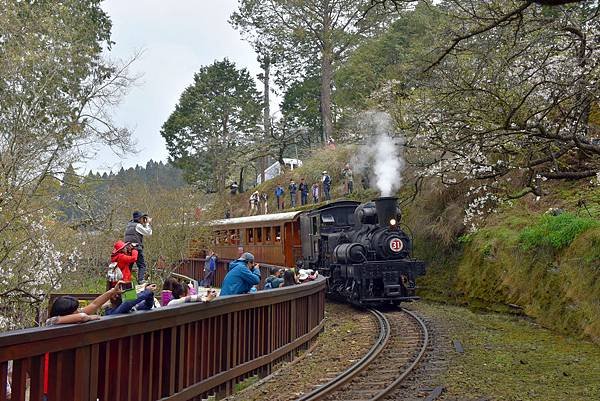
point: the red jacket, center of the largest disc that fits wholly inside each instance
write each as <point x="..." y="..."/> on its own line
<point x="124" y="260"/>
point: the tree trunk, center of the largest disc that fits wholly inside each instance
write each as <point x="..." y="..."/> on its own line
<point x="326" y="80"/>
<point x="266" y="64"/>
<point x="241" y="181"/>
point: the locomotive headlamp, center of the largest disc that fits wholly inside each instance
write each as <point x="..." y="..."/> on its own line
<point x="392" y="222"/>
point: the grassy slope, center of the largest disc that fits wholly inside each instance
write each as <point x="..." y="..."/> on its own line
<point x="332" y="161"/>
<point x="524" y="260"/>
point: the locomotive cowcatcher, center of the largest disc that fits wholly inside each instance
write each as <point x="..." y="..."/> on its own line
<point x="362" y="250"/>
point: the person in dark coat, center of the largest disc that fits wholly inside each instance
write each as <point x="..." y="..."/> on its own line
<point x="138" y="228"/>
<point x="293" y="189"/>
<point x="303" y="188"/>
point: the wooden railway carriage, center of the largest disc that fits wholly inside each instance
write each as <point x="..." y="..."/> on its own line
<point x="272" y="238"/>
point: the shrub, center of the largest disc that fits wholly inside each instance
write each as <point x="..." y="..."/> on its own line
<point x="555" y="231"/>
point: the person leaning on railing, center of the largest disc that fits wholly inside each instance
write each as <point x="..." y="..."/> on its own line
<point x="244" y="274"/>
<point x="66" y="310"/>
<point x="210" y="295"/>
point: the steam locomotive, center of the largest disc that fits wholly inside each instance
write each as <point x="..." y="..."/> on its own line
<point x="362" y="250"/>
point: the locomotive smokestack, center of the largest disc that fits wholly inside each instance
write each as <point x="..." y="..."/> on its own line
<point x="386" y="210"/>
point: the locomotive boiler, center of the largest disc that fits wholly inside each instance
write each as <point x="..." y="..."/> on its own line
<point x="362" y="250"/>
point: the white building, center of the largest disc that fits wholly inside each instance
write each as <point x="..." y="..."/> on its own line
<point x="275" y="169"/>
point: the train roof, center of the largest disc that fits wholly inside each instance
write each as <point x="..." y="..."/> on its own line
<point x="331" y="205"/>
<point x="262" y="218"/>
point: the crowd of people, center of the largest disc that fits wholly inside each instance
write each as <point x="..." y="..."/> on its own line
<point x="124" y="296"/>
<point x="298" y="193"/>
<point x="125" y="292"/>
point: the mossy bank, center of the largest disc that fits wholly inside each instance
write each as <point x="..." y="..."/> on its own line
<point x="522" y="261"/>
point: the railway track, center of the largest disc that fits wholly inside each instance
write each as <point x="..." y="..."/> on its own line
<point x="401" y="344"/>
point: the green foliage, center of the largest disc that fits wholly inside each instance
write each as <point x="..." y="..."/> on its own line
<point x="559" y="289"/>
<point x="216" y="117"/>
<point x="555" y="231"/>
<point x="384" y="66"/>
<point x="300" y="108"/>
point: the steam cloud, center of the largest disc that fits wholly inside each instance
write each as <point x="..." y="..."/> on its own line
<point x="383" y="152"/>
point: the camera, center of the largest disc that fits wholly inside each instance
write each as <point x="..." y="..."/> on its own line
<point x="126" y="286"/>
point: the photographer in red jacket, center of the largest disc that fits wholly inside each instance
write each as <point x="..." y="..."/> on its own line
<point x="124" y="254"/>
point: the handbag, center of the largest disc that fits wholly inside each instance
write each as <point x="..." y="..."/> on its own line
<point x="114" y="274"/>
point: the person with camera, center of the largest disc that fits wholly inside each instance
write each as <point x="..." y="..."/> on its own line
<point x="138" y="228"/>
<point x="124" y="255"/>
<point x="66" y="310"/>
<point x="143" y="301"/>
<point x="244" y="274"/>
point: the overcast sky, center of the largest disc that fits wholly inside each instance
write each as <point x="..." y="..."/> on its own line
<point x="177" y="36"/>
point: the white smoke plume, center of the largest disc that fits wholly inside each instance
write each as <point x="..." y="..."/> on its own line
<point x="381" y="156"/>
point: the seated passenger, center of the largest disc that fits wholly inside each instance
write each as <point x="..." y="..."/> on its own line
<point x="210" y="295"/>
<point x="144" y="301"/>
<point x="243" y="275"/>
<point x="66" y="309"/>
<point x="274" y="280"/>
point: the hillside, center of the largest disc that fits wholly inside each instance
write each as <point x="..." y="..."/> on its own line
<point x="521" y="260"/>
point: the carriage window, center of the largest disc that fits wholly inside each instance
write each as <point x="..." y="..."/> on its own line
<point x="315" y="226"/>
<point x="327" y="218"/>
<point x="250" y="235"/>
<point x="259" y="235"/>
<point x="268" y="234"/>
<point x="233" y="239"/>
<point x="277" y="233"/>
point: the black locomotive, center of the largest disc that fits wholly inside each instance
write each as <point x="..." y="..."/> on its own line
<point x="362" y="251"/>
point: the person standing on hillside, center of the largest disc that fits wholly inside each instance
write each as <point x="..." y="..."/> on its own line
<point x="348" y="179"/>
<point x="279" y="195"/>
<point x="315" y="192"/>
<point x="135" y="231"/>
<point x="326" y="180"/>
<point x="265" y="201"/>
<point x="303" y="188"/>
<point x="293" y="189"/>
<point x="254" y="201"/>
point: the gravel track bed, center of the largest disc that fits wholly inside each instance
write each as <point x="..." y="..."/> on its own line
<point x="347" y="336"/>
<point x="429" y="373"/>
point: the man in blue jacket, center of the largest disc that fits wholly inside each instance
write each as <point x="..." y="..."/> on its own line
<point x="244" y="274"/>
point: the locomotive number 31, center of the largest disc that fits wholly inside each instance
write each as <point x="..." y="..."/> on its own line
<point x="396" y="245"/>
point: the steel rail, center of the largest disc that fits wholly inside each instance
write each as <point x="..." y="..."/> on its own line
<point x="385" y="392"/>
<point x="348" y="374"/>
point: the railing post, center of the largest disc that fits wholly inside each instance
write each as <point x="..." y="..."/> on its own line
<point x="293" y="334"/>
<point x="82" y="372"/>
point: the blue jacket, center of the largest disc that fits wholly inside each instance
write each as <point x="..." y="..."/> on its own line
<point x="239" y="279"/>
<point x="278" y="191"/>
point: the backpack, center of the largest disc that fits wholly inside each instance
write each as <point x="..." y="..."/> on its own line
<point x="114" y="273"/>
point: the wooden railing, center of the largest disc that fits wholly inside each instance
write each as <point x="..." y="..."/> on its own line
<point x="184" y="352"/>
